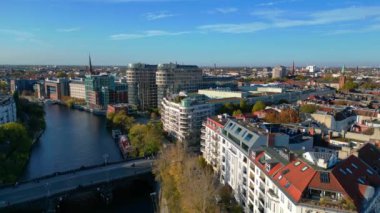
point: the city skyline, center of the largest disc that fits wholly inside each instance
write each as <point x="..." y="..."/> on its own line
<point x="226" y="33"/>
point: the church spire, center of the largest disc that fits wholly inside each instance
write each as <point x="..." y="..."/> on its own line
<point x="89" y="60"/>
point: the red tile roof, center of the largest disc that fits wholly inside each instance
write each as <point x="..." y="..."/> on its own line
<point x="352" y="172"/>
<point x="333" y="184"/>
<point x="293" y="180"/>
<point x="370" y="154"/>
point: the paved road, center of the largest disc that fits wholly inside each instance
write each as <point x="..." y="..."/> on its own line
<point x="62" y="183"/>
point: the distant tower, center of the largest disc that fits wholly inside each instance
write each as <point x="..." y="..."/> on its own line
<point x="293" y="69"/>
<point x="343" y="70"/>
<point x="90" y="65"/>
<point x="342" y="81"/>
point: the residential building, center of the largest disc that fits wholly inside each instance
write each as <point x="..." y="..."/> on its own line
<point x="142" y="88"/>
<point x="77" y="88"/>
<point x="266" y="174"/>
<point x="182" y="116"/>
<point x="7" y="109"/>
<point x="279" y="72"/>
<point x="56" y="88"/>
<point x="173" y="78"/>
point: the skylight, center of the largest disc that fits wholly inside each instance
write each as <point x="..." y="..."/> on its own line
<point x="297" y="163"/>
<point x="280" y="177"/>
<point x="349" y="170"/>
<point x="342" y="171"/>
<point x="369" y="172"/>
<point x="360" y="180"/>
<point x="287" y="185"/>
<point x="354" y="165"/>
<point x="304" y="168"/>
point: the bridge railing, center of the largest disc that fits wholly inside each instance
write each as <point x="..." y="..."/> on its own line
<point x="82" y="168"/>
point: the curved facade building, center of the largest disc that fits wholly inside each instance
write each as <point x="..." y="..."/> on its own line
<point x="141" y="81"/>
<point x="173" y="78"/>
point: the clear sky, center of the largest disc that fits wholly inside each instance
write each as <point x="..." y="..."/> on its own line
<point x="202" y="32"/>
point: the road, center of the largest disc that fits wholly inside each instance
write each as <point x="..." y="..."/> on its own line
<point x="62" y="183"/>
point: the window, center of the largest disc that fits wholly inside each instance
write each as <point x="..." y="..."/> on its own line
<point x="354" y="165"/>
<point x="304" y="168"/>
<point x="237" y="131"/>
<point x="282" y="198"/>
<point x="290" y="205"/>
<point x="342" y="171"/>
<point x="297" y="163"/>
<point x="280" y="177"/>
<point x="349" y="170"/>
<point x="324" y="177"/>
<point x="248" y="137"/>
<point x="287" y="185"/>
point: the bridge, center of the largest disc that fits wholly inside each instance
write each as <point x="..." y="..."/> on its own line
<point x="71" y="180"/>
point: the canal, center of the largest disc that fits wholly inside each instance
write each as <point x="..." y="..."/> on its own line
<point x="76" y="138"/>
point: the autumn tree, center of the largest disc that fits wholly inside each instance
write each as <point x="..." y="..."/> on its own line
<point x="289" y="116"/>
<point x="179" y="172"/>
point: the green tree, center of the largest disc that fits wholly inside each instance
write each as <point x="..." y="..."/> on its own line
<point x="13" y="157"/>
<point x="244" y="107"/>
<point x="350" y="85"/>
<point x="122" y="121"/>
<point x="308" y="108"/>
<point x="237" y="113"/>
<point x="259" y="105"/>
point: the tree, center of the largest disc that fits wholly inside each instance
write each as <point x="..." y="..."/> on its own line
<point x="237" y="113"/>
<point x="272" y="116"/>
<point x="243" y="105"/>
<point x="61" y="74"/>
<point x="16" y="144"/>
<point x="178" y="172"/>
<point x="289" y="116"/>
<point x="308" y="108"/>
<point x="259" y="105"/>
<point x="122" y="121"/>
<point x="350" y="85"/>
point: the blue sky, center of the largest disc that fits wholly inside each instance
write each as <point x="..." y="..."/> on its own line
<point x="202" y="32"/>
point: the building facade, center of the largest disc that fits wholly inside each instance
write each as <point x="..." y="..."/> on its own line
<point x="99" y="91"/>
<point x="279" y="72"/>
<point x="142" y="89"/>
<point x="56" y="88"/>
<point x="77" y="88"/>
<point x="21" y="85"/>
<point x="173" y="78"/>
<point x="182" y="117"/>
<point x="267" y="174"/>
<point x="8" y="111"/>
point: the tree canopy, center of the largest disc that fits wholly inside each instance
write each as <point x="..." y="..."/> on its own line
<point x="259" y="105"/>
<point x="308" y="108"/>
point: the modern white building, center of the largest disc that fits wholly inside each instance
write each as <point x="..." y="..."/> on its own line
<point x="182" y="116"/>
<point x="266" y="175"/>
<point x="7" y="109"/>
<point x="77" y="88"/>
<point x="312" y="68"/>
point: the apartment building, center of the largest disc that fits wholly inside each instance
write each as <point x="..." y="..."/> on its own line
<point x="182" y="116"/>
<point x="7" y="109"/>
<point x="269" y="174"/>
<point x="77" y="88"/>
<point x="173" y="78"/>
<point x="142" y="89"/>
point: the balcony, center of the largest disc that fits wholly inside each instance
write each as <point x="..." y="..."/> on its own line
<point x="262" y="188"/>
<point x="262" y="201"/>
<point x="272" y="195"/>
